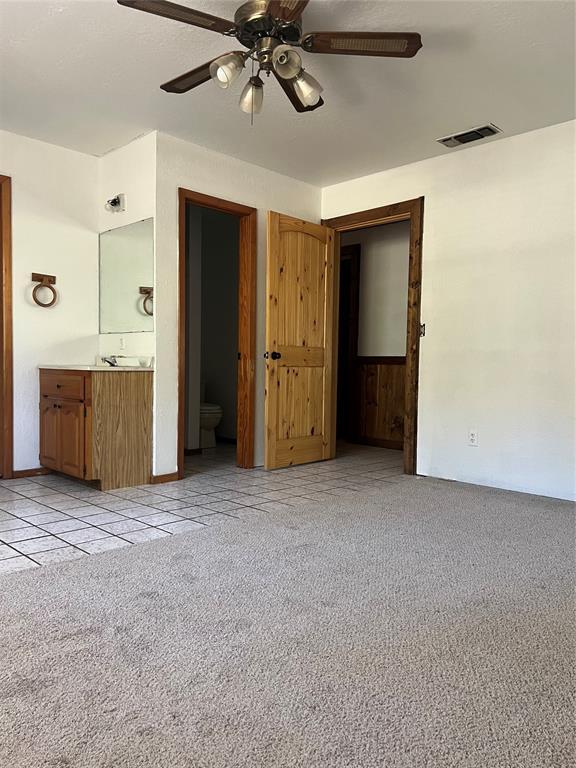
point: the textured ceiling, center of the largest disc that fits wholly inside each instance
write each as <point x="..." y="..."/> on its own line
<point x="85" y="75"/>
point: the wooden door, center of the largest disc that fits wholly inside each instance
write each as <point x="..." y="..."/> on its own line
<point x="49" y="433"/>
<point x="300" y="342"/>
<point x="71" y="438"/>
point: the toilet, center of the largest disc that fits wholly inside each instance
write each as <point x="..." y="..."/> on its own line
<point x="210" y="416"/>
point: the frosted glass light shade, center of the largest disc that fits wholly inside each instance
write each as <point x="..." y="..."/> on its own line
<point x="225" y="70"/>
<point x="308" y="89"/>
<point x="252" y="96"/>
<point x="286" y="61"/>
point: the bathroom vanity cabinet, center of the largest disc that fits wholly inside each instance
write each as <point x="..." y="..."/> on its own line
<point x="97" y="424"/>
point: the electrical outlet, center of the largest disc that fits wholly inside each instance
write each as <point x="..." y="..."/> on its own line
<point x="473" y="438"/>
<point x="122" y="343"/>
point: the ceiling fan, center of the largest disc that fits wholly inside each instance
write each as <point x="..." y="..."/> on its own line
<point x="271" y="30"/>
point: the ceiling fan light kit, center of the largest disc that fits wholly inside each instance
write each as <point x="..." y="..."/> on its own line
<point x="271" y="30"/>
<point x="286" y="61"/>
<point x="308" y="89"/>
<point x="227" y="69"/>
<point x="252" y="97"/>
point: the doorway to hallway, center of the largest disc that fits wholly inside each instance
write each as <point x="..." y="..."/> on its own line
<point x="411" y="212"/>
<point x="373" y="300"/>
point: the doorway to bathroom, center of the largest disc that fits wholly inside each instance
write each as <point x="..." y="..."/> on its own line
<point x="217" y="316"/>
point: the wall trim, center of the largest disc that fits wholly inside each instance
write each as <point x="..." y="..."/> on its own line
<point x="6" y="337"/>
<point x="169" y="478"/>
<point x="35" y="472"/>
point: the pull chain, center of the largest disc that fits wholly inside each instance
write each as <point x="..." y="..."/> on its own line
<point x="252" y="100"/>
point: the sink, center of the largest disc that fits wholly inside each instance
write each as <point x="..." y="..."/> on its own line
<point x="128" y="361"/>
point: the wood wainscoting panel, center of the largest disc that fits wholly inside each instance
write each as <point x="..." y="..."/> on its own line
<point x="122" y="428"/>
<point x="379" y="396"/>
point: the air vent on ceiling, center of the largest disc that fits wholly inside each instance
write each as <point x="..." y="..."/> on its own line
<point x="475" y="134"/>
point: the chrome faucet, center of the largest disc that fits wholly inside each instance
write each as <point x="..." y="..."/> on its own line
<point x="111" y="360"/>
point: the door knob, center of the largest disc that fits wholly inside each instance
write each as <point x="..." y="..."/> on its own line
<point x="273" y="355"/>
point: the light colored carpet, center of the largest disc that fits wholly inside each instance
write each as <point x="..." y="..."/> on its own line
<point x="427" y="626"/>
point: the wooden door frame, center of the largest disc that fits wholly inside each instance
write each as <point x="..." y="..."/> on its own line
<point x="412" y="211"/>
<point x="6" y="341"/>
<point x="246" y="390"/>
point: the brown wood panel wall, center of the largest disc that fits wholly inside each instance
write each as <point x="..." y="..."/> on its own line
<point x="379" y="385"/>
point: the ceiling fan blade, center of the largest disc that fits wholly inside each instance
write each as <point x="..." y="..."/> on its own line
<point x="287" y="10"/>
<point x="288" y="88"/>
<point x="181" y="13"/>
<point x="398" y="44"/>
<point x="189" y="80"/>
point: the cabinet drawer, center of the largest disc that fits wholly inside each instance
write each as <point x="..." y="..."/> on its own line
<point x="69" y="386"/>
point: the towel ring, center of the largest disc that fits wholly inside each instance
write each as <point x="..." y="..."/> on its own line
<point x="44" y="281"/>
<point x="147" y="304"/>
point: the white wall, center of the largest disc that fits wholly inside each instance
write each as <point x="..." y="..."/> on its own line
<point x="54" y="226"/>
<point x="130" y="170"/>
<point x="181" y="164"/>
<point x="498" y="303"/>
<point x="383" y="308"/>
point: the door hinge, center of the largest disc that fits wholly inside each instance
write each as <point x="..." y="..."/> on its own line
<point x="423" y="329"/>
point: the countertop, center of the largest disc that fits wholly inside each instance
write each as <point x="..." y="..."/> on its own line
<point x="95" y="368"/>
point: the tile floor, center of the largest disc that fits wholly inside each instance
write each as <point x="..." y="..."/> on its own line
<point x="51" y="518"/>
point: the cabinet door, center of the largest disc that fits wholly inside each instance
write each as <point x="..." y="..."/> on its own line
<point x="49" y="433"/>
<point x="71" y="438"/>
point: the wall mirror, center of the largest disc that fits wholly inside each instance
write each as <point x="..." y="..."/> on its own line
<point x="127" y="278"/>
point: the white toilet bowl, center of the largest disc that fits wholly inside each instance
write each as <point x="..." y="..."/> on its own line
<point x="210" y="416"/>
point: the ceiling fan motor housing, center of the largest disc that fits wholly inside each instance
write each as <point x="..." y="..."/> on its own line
<point x="254" y="22"/>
